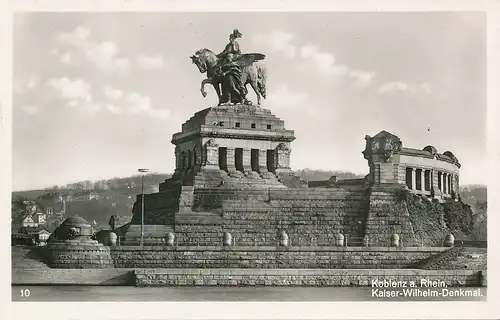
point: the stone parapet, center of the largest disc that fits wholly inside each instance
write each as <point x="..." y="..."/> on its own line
<point x="269" y="257"/>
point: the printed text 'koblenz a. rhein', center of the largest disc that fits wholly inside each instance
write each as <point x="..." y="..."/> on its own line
<point x="421" y="288"/>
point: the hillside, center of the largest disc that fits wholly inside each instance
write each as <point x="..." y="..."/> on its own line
<point x="92" y="200"/>
<point x="98" y="200"/>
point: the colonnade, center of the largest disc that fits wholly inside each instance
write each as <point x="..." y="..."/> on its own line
<point x="233" y="159"/>
<point x="246" y="160"/>
<point x="421" y="179"/>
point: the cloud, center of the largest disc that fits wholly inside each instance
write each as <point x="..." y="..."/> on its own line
<point x="282" y="97"/>
<point x="71" y="89"/>
<point x="395" y="86"/>
<point x="324" y="60"/>
<point x="76" y="93"/>
<point x="114" y="109"/>
<point x="104" y="54"/>
<point x="148" y="62"/>
<point x="312" y="56"/>
<point x="138" y="103"/>
<point x="65" y="58"/>
<point x="132" y="104"/>
<point x="277" y="41"/>
<point x="26" y="85"/>
<point x="112" y="93"/>
<point x="362" y="78"/>
<point x="325" y="63"/>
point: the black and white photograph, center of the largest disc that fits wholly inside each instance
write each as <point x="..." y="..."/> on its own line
<point x="244" y="156"/>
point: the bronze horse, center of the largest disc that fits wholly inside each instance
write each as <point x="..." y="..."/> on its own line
<point x="252" y="73"/>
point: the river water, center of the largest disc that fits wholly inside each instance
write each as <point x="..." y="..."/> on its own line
<point x="130" y="293"/>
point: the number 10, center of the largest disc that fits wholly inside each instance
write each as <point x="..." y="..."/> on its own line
<point x="25" y="293"/>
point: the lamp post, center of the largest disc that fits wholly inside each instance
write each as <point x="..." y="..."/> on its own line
<point x="143" y="171"/>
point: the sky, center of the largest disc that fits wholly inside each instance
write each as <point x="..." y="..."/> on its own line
<point x="99" y="95"/>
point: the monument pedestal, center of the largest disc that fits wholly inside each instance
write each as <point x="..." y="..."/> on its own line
<point x="220" y="148"/>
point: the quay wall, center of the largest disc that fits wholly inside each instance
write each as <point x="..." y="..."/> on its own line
<point x="300" y="277"/>
<point x="241" y="277"/>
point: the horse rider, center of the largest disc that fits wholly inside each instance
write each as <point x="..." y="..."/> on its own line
<point x="232" y="47"/>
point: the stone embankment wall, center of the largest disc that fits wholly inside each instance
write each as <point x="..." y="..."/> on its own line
<point x="311" y="217"/>
<point x="270" y="257"/>
<point x="387" y="216"/>
<point x="294" y="277"/>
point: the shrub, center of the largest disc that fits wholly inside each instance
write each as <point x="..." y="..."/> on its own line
<point x="401" y="194"/>
<point x="458" y="216"/>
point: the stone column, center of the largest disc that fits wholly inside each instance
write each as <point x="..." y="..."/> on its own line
<point x="231" y="167"/>
<point x="422" y="180"/>
<point x="413" y="179"/>
<point x="443" y="183"/>
<point x="282" y="158"/>
<point x="263" y="161"/>
<point x="455" y="184"/>
<point x="247" y="158"/>
<point x="211" y="156"/>
<point x="448" y="191"/>
<point x="434" y="184"/>
<point x="450" y="184"/>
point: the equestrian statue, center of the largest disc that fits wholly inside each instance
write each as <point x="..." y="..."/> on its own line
<point x="230" y="71"/>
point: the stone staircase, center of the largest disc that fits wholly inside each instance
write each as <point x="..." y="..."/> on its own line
<point x="457" y="258"/>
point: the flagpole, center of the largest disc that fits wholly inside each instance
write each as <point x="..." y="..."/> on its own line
<point x="142" y="205"/>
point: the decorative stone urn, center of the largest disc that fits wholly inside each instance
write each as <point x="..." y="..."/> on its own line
<point x="170" y="239"/>
<point x="112" y="237"/>
<point x="339" y="240"/>
<point x="227" y="239"/>
<point x="284" y="239"/>
<point x="395" y="240"/>
<point x="449" y="240"/>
